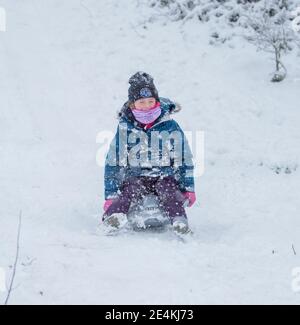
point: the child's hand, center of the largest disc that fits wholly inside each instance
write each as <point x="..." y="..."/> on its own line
<point x="191" y="197"/>
<point x="107" y="204"/>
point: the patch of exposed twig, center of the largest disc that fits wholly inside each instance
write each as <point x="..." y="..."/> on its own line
<point x="16" y="261"/>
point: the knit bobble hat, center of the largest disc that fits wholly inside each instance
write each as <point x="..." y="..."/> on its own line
<point x="141" y="86"/>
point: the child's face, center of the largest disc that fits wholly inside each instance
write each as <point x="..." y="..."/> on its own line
<point x="145" y="104"/>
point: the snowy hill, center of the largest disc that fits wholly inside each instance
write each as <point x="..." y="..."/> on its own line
<point x="64" y="67"/>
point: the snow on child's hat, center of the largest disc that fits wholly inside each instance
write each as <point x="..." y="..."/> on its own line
<point x="141" y="86"/>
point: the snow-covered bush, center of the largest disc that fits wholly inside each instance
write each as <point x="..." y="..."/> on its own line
<point x="271" y="31"/>
<point x="295" y="21"/>
<point x="176" y="9"/>
<point x="222" y="13"/>
<point x="272" y="25"/>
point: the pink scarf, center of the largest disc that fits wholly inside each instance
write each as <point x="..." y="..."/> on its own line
<point x="146" y="117"/>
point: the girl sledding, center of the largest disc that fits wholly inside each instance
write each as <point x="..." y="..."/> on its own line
<point x="149" y="176"/>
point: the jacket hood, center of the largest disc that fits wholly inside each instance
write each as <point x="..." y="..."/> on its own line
<point x="168" y="107"/>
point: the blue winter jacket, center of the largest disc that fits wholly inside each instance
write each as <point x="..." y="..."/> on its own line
<point x="133" y="147"/>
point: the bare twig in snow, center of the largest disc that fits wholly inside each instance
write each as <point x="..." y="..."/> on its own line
<point x="16" y="261"/>
<point x="294" y="250"/>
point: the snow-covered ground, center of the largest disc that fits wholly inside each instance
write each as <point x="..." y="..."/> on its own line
<point x="64" y="67"/>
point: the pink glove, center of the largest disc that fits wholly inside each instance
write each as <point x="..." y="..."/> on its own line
<point x="107" y="204"/>
<point x="191" y="197"/>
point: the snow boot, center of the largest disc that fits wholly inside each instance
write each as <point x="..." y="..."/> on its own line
<point x="180" y="226"/>
<point x="116" y="221"/>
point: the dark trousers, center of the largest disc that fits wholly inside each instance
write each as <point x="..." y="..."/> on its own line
<point x="170" y="197"/>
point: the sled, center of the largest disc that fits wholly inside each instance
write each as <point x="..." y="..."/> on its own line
<point x="147" y="215"/>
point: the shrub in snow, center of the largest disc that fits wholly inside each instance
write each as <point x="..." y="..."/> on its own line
<point x="177" y="9"/>
<point x="271" y="31"/>
<point x="272" y="25"/>
<point x="295" y="21"/>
